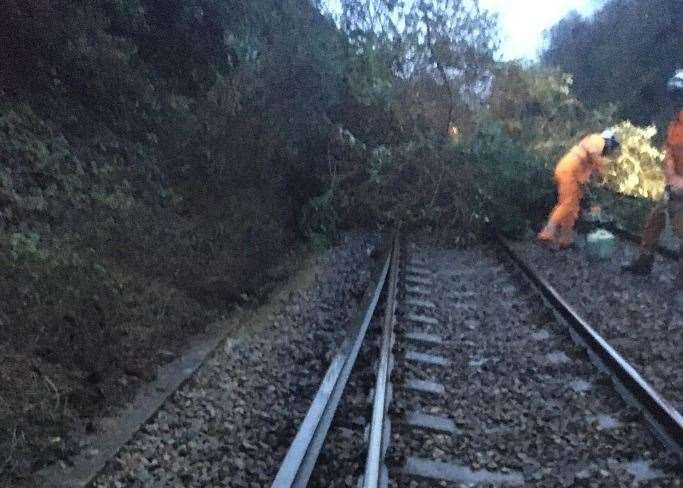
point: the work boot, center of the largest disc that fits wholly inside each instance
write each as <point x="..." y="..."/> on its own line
<point x="547" y="235"/>
<point x="641" y="266"/>
<point x="677" y="294"/>
<point x="566" y="239"/>
<point x="678" y="282"/>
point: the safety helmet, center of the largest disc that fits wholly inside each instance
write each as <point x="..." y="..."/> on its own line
<point x="611" y="140"/>
<point x="675" y="88"/>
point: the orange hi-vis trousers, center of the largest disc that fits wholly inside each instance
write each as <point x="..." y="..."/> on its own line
<point x="566" y="212"/>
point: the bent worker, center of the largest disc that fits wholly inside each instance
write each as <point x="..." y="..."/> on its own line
<point x="673" y="197"/>
<point x="572" y="172"/>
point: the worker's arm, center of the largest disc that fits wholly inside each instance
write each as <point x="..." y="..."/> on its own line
<point x="596" y="161"/>
<point x="599" y="163"/>
<point x="673" y="179"/>
<point x="594" y="145"/>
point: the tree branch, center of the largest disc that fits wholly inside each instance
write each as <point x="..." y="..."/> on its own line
<point x="442" y="71"/>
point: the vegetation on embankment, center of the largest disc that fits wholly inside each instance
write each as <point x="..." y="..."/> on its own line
<point x="154" y="158"/>
<point x="158" y="158"/>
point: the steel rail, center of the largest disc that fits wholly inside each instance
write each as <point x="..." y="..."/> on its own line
<point x="300" y="460"/>
<point x="665" y="420"/>
<point x="375" y="469"/>
<point x="634" y="238"/>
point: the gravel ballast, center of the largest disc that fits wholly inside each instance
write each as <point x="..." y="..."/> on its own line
<point x="635" y="314"/>
<point x="529" y="407"/>
<point x="232" y="423"/>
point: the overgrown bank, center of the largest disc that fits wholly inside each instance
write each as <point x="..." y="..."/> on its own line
<point x="154" y="159"/>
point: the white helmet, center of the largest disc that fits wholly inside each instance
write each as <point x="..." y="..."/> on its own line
<point x="675" y="84"/>
<point x="611" y="140"/>
<point x="675" y="88"/>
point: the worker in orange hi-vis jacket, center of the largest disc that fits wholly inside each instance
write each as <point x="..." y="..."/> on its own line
<point x="672" y="203"/>
<point x="571" y="173"/>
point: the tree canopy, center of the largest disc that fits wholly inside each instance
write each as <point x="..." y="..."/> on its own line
<point x="624" y="53"/>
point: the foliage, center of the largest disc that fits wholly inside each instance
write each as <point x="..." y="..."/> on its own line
<point x="537" y="106"/>
<point x="420" y="185"/>
<point x="319" y="219"/>
<point x="513" y="182"/>
<point x="630" y="213"/>
<point x="513" y="122"/>
<point x="155" y="160"/>
<point x="25" y="247"/>
<point x="624" y="54"/>
<point x="449" y="191"/>
<point x="48" y="178"/>
<point x="637" y="171"/>
<point x="380" y="161"/>
<point x="426" y="61"/>
<point x="454" y="42"/>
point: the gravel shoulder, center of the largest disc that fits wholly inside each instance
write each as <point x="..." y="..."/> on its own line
<point x="634" y="314"/>
<point x="232" y="423"/>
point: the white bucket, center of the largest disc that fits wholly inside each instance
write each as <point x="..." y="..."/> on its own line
<point x="601" y="244"/>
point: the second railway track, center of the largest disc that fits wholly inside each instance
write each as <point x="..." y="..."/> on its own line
<point x="468" y="378"/>
<point x="635" y="314"/>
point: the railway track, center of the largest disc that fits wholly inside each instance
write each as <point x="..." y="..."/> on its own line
<point x="460" y="397"/>
<point x="460" y="372"/>
<point x="637" y="315"/>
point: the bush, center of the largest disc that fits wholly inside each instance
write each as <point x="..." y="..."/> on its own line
<point x="26" y="247"/>
<point x="447" y="190"/>
<point x="514" y="184"/>
<point x="536" y="106"/>
<point x="637" y="170"/>
<point x="155" y="159"/>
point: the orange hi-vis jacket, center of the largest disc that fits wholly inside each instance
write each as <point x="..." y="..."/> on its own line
<point x="673" y="164"/>
<point x="582" y="159"/>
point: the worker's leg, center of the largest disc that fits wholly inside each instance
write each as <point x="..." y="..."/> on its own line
<point x="567" y="226"/>
<point x="654" y="226"/>
<point x="567" y="212"/>
<point x="564" y="215"/>
<point x="676" y="216"/>
<point x="549" y="232"/>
